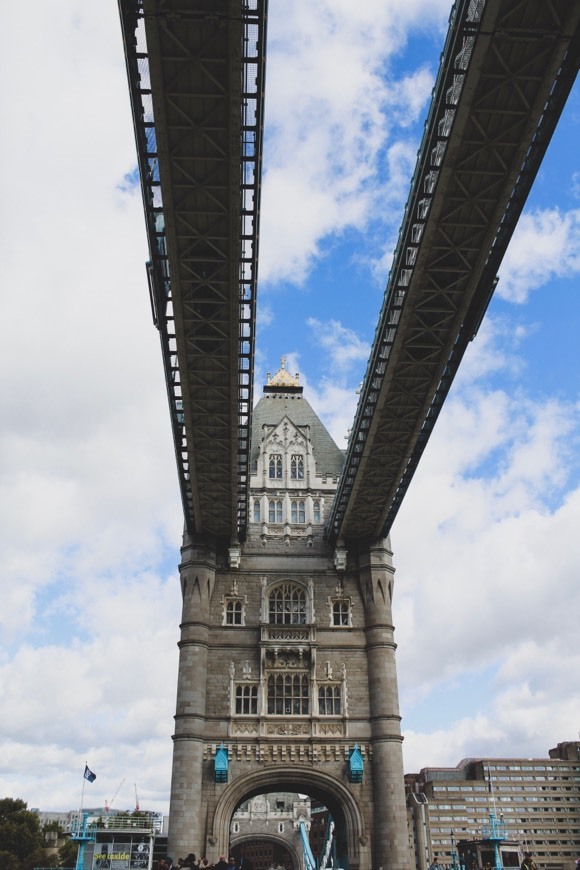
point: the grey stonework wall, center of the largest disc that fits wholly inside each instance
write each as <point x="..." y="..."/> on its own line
<point x="297" y="751"/>
<point x="308" y="754"/>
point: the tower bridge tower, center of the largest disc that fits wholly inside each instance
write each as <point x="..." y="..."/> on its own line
<point x="287" y="658"/>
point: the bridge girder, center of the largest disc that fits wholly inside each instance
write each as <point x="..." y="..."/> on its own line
<point x="505" y="74"/>
<point x="196" y="75"/>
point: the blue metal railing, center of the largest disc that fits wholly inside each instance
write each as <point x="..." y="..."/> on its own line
<point x="327" y="852"/>
<point x="309" y="860"/>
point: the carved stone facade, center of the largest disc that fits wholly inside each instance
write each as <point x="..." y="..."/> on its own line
<point x="287" y="656"/>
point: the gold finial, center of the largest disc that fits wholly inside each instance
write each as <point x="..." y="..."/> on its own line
<point x="283" y="378"/>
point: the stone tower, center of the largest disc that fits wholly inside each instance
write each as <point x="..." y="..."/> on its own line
<point x="287" y="679"/>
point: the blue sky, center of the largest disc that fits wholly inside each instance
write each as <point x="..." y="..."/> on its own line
<point x="486" y="544"/>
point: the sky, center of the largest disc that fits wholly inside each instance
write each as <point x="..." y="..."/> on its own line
<point x="487" y="542"/>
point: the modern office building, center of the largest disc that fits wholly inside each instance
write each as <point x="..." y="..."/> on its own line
<point x="535" y="800"/>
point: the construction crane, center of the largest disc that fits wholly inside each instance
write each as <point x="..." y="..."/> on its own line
<point x="110" y="804"/>
<point x="136" y="799"/>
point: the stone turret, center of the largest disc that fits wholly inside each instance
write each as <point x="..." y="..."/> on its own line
<point x="287" y="656"/>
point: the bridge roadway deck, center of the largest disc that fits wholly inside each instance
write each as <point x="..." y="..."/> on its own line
<point x="196" y="78"/>
<point x="505" y="74"/>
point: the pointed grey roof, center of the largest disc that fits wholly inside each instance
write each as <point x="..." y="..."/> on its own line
<point x="279" y="402"/>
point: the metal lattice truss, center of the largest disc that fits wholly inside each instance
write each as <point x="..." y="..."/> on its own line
<point x="196" y="76"/>
<point x="505" y="74"/>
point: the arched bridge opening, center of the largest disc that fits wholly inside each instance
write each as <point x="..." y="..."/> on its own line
<point x="350" y="838"/>
<point x="264" y="852"/>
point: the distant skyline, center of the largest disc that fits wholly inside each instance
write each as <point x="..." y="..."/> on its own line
<point x="486" y="544"/>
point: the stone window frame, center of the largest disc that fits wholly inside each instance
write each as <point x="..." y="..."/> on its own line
<point x="301" y="583"/>
<point x="290" y="691"/>
<point x="297" y="465"/>
<point x="335" y="689"/>
<point x="275" y="466"/>
<point x="233" y="604"/>
<point x="275" y="510"/>
<point x="252" y="701"/>
<point x="287" y="605"/>
<point x="298" y="511"/>
<point x="290" y="590"/>
<point x="340" y="606"/>
<point x="317" y="512"/>
<point x="256" y="510"/>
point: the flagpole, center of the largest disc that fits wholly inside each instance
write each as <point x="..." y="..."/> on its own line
<point x="83" y="791"/>
<point x="490" y="787"/>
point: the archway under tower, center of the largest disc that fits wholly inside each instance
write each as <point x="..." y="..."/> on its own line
<point x="352" y="838"/>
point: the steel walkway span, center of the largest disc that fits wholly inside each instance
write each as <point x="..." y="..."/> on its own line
<point x="196" y="75"/>
<point x="505" y="73"/>
<point x="196" y="78"/>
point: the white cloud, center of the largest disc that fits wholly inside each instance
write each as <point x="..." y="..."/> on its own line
<point x="343" y="345"/>
<point x="90" y="514"/>
<point x="335" y="405"/>
<point x="408" y="96"/>
<point x="264" y="315"/>
<point x="330" y="110"/>
<point x="487" y="593"/>
<point x="514" y="723"/>
<point x="89" y="502"/>
<point x="496" y="350"/>
<point x="334" y="397"/>
<point x="546" y="243"/>
<point x="103" y="694"/>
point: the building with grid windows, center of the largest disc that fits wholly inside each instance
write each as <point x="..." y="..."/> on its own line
<point x="535" y="800"/>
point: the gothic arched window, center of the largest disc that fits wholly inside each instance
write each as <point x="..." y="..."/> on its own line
<point x="316" y="513"/>
<point x="287" y="605"/>
<point x="297" y="467"/>
<point x="275" y="466"/>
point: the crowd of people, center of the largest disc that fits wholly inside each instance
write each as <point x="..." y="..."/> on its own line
<point x="527" y="864"/>
<point x="197" y="863"/>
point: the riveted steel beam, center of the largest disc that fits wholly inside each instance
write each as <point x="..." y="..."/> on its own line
<point x="504" y="77"/>
<point x="196" y="78"/>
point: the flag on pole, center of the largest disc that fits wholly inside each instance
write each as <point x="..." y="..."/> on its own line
<point x="489" y="783"/>
<point x="88" y="774"/>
